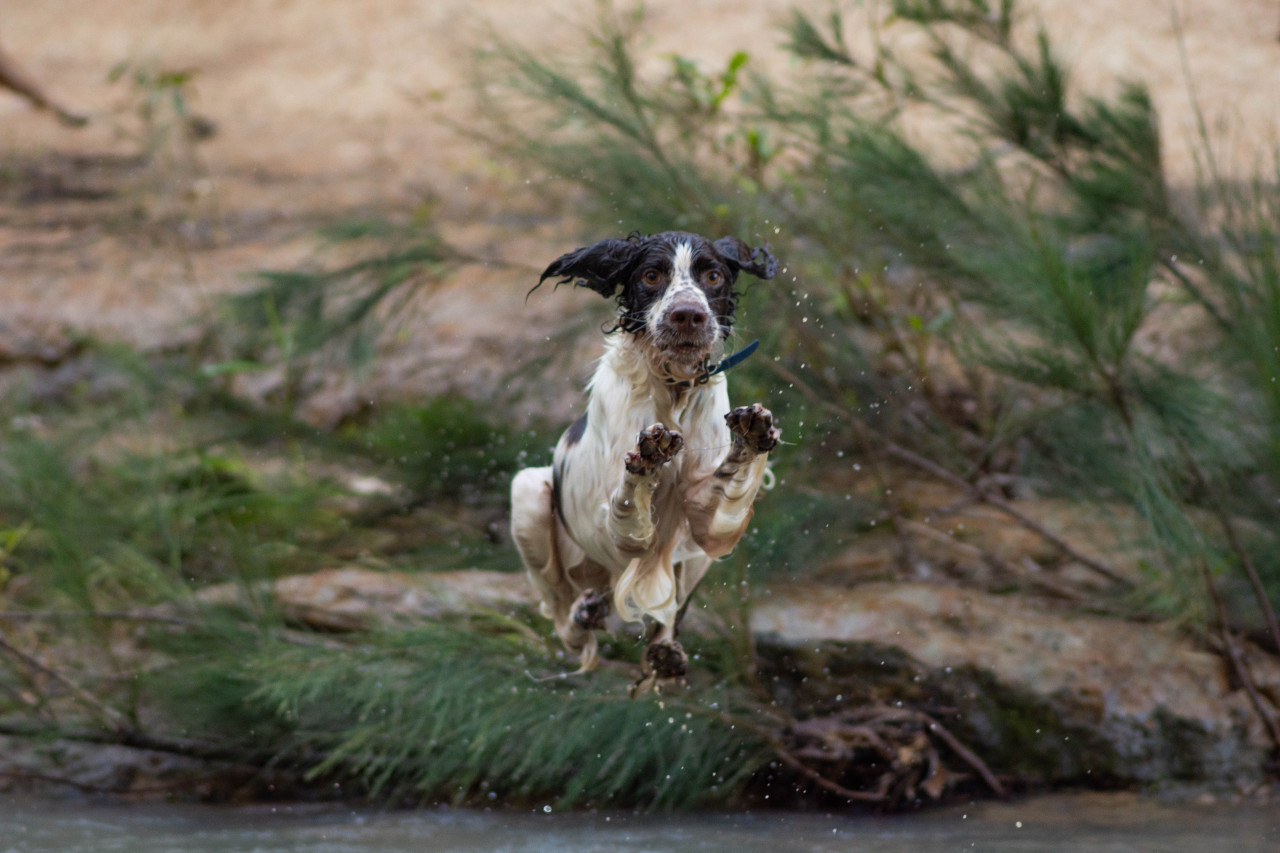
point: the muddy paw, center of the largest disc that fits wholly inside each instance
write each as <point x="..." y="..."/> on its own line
<point x="667" y="659"/>
<point x="753" y="427"/>
<point x="654" y="448"/>
<point x="591" y="609"/>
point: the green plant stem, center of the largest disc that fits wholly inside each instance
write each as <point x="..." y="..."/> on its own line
<point x="1198" y="295"/>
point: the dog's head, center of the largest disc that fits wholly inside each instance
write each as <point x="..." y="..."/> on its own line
<point x="674" y="289"/>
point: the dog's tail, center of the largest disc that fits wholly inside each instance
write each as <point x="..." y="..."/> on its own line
<point x="647" y="588"/>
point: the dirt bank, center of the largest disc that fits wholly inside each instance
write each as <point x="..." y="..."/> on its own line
<point x="329" y="109"/>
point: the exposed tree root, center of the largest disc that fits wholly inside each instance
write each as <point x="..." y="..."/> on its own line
<point x="877" y="754"/>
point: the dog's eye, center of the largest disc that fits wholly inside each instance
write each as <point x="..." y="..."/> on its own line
<point x="713" y="277"/>
<point x="651" y="276"/>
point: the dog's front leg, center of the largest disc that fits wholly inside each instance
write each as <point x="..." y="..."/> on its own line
<point x="720" y="506"/>
<point x="631" y="505"/>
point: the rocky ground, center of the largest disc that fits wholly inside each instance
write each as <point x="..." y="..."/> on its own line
<point x="325" y="110"/>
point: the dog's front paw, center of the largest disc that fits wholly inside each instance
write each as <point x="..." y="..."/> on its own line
<point x="655" y="447"/>
<point x="591" y="609"/>
<point x="753" y="427"/>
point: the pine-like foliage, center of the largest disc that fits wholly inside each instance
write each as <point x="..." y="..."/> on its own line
<point x="653" y="155"/>
<point x="442" y="713"/>
<point x="1024" y="255"/>
<point x="1057" y="246"/>
<point x="304" y="319"/>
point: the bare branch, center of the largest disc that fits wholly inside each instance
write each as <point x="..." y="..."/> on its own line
<point x="117" y="720"/>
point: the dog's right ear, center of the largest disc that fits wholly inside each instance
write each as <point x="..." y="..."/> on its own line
<point x="603" y="267"/>
<point x="758" y="262"/>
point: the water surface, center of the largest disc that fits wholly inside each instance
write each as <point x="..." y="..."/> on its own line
<point x="1094" y="823"/>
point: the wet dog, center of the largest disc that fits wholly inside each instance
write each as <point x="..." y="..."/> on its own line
<point x="658" y="477"/>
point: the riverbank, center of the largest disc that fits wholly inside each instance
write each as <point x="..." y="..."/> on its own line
<point x="1041" y="701"/>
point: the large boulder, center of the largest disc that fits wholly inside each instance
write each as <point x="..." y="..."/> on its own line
<point x="1047" y="696"/>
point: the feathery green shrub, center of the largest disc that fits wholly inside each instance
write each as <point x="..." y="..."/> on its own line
<point x="451" y="713"/>
<point x="1021" y="262"/>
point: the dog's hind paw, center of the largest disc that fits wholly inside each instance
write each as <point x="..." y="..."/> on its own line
<point x="591" y="609"/>
<point x="667" y="659"/>
<point x="665" y="663"/>
<point x="655" y="447"/>
<point x="753" y="427"/>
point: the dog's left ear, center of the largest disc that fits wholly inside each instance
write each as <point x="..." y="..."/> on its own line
<point x="759" y="262"/>
<point x="602" y="267"/>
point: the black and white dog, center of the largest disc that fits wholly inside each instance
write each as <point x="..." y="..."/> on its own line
<point x="658" y="478"/>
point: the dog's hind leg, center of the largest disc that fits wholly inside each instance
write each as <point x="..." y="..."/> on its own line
<point x="592" y="608"/>
<point x="533" y="529"/>
<point x="543" y="550"/>
<point x="664" y="658"/>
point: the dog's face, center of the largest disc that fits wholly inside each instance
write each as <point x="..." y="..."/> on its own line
<point x="674" y="289"/>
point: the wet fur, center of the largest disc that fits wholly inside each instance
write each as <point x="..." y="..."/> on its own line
<point x="658" y="477"/>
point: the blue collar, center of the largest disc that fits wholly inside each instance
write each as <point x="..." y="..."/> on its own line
<point x="709" y="370"/>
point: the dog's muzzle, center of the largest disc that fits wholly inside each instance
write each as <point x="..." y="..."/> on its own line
<point x="687" y="331"/>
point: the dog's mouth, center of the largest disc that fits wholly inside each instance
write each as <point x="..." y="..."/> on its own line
<point x="686" y="356"/>
<point x="686" y="351"/>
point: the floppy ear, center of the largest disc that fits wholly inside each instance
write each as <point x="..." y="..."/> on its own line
<point x="740" y="256"/>
<point x="602" y="267"/>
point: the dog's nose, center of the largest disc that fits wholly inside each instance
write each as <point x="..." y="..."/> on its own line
<point x="688" y="318"/>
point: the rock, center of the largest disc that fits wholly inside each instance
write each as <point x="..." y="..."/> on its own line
<point x="1080" y="699"/>
<point x="61" y="766"/>
<point x="352" y="599"/>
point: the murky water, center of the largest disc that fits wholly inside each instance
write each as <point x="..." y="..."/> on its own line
<point x="1094" y="823"/>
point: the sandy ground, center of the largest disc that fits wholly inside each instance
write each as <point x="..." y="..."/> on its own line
<point x="327" y="109"/>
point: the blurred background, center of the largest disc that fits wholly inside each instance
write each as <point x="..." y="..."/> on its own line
<point x="268" y="359"/>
